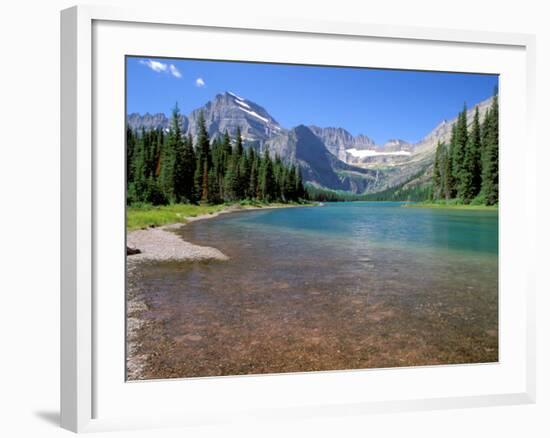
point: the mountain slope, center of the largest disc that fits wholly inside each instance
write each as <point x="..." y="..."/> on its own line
<point x="154" y="121"/>
<point x="329" y="157"/>
<point x="338" y="141"/>
<point x="228" y="112"/>
<point x="301" y="146"/>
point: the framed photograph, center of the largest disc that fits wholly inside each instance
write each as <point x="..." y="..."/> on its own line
<point x="281" y="218"/>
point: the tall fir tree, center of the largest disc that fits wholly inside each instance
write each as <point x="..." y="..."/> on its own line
<point x="470" y="176"/>
<point x="178" y="172"/>
<point x="445" y="166"/>
<point x="450" y="181"/>
<point x="459" y="148"/>
<point x="490" y="136"/>
<point x="232" y="179"/>
<point x="244" y="175"/>
<point x="166" y="174"/>
<point x="203" y="160"/>
<point x="300" y="189"/>
<point x="268" y="189"/>
<point x="437" y="177"/>
<point x="253" y="181"/>
<point x="130" y="150"/>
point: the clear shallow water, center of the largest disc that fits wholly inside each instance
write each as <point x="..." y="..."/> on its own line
<point x="346" y="285"/>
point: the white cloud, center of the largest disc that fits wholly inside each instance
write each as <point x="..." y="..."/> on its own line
<point x="200" y="82"/>
<point x="174" y="71"/>
<point x="154" y="65"/>
<point x="161" y="67"/>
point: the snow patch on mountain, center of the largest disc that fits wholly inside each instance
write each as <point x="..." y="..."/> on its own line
<point x="372" y="153"/>
<point x="241" y="103"/>
<point x="235" y="96"/>
<point x="252" y="113"/>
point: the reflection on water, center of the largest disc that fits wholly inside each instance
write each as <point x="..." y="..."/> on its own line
<point x="344" y="286"/>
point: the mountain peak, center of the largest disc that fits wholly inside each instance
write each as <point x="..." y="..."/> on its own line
<point x="228" y="112"/>
<point x="236" y="96"/>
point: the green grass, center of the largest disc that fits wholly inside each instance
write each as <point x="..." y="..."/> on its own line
<point x="144" y="216"/>
<point x="148" y="215"/>
<point x="451" y="204"/>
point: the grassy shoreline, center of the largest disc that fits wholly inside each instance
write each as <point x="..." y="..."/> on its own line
<point x="156" y="216"/>
<point x="451" y="205"/>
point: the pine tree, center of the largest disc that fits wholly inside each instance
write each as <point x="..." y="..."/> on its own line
<point x="490" y="139"/>
<point x="289" y="184"/>
<point x="459" y="148"/>
<point x="130" y="150"/>
<point x="450" y="182"/>
<point x="300" y="189"/>
<point x="253" y="180"/>
<point x="239" y="142"/>
<point x="204" y="160"/>
<point x="231" y="179"/>
<point x="178" y="172"/>
<point x="470" y="176"/>
<point x="437" y="180"/>
<point x="140" y="168"/>
<point x="267" y="179"/>
<point x="189" y="162"/>
<point x="244" y="176"/>
<point x="213" y="187"/>
<point x="446" y="173"/>
<point x="205" y="195"/>
<point x="166" y="174"/>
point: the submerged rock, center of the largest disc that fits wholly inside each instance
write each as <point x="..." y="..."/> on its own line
<point x="132" y="251"/>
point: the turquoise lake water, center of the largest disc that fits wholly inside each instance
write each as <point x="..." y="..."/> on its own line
<point x="342" y="286"/>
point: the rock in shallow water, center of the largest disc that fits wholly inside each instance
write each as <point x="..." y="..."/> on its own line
<point x="132" y="251"/>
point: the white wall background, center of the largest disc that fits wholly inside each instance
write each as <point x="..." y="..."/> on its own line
<point x="29" y="216"/>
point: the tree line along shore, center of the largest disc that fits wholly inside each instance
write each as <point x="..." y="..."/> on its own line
<point x="170" y="168"/>
<point x="166" y="169"/>
<point x="467" y="168"/>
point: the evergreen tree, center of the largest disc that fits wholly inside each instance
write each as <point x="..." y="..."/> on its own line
<point x="205" y="195"/>
<point x="166" y="174"/>
<point x="268" y="190"/>
<point x="130" y="150"/>
<point x="459" y="148"/>
<point x="189" y="162"/>
<point x="289" y="184"/>
<point x="450" y="183"/>
<point x="445" y="163"/>
<point x="232" y="180"/>
<point x="213" y="187"/>
<point x="300" y="189"/>
<point x="470" y="176"/>
<point x="204" y="160"/>
<point x="490" y="138"/>
<point x="179" y="172"/>
<point x="245" y="168"/>
<point x="437" y="179"/>
<point x="239" y="143"/>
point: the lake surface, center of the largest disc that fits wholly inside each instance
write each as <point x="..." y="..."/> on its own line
<point x="342" y="286"/>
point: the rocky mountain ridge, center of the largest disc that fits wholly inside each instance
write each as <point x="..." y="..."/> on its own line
<point x="330" y="157"/>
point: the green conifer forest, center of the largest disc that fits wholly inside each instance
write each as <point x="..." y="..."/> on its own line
<point x="467" y="168"/>
<point x="170" y="168"/>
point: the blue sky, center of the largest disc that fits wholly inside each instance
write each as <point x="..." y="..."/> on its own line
<point x="382" y="104"/>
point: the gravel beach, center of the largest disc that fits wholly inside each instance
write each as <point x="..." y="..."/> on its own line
<point x="161" y="244"/>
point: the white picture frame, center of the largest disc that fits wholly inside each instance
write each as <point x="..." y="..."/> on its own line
<point x="86" y="376"/>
